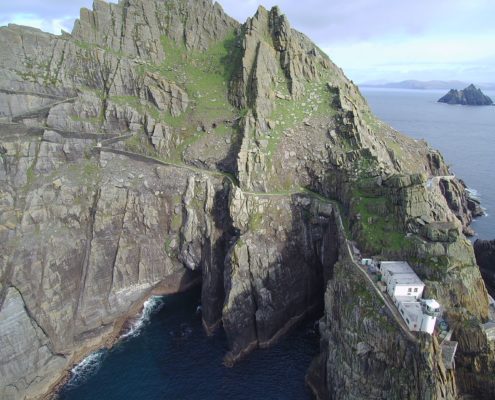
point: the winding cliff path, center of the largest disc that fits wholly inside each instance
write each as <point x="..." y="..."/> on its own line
<point x="388" y="303"/>
<point x="40" y="111"/>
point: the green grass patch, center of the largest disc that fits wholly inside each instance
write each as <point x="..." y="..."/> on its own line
<point x="205" y="76"/>
<point x="378" y="232"/>
<point x="176" y="222"/>
<point x="290" y="113"/>
<point x="255" y="220"/>
<point x="140" y="144"/>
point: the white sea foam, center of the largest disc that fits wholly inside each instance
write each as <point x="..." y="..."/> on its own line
<point x="473" y="193"/>
<point x="150" y="306"/>
<point x="86" y="368"/>
<point x="91" y="364"/>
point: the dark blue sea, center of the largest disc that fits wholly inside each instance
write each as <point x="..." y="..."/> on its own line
<point x="168" y="357"/>
<point x="465" y="135"/>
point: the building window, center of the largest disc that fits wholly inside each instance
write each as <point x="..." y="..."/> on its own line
<point x="409" y="290"/>
<point x="415" y="290"/>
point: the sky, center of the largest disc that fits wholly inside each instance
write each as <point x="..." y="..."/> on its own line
<point x="372" y="40"/>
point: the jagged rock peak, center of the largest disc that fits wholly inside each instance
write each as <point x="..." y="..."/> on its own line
<point x="471" y="96"/>
<point x="272" y="52"/>
<point x="135" y="27"/>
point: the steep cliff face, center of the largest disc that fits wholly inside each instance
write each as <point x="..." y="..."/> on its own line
<point x="276" y="269"/>
<point x="85" y="241"/>
<point x="162" y="144"/>
<point x="363" y="345"/>
<point x="485" y="256"/>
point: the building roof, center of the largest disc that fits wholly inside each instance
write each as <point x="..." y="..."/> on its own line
<point x="431" y="303"/>
<point x="401" y="272"/>
<point x="412" y="309"/>
<point x="407" y="279"/>
<point x="397" y="267"/>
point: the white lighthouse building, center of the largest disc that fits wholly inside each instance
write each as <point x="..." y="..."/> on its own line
<point x="406" y="290"/>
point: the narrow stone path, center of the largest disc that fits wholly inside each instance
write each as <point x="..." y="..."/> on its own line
<point x="40" y="110"/>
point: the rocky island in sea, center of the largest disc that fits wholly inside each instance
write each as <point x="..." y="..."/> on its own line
<point x="163" y="145"/>
<point x="471" y="96"/>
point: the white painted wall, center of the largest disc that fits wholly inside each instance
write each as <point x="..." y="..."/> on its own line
<point x="428" y="324"/>
<point x="408" y="290"/>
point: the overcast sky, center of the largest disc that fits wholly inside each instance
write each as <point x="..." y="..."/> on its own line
<point x="370" y="39"/>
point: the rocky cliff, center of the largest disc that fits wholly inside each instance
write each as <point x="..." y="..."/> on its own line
<point x="162" y="144"/>
<point x="485" y="256"/>
<point x="470" y="96"/>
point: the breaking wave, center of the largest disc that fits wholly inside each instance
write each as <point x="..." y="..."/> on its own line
<point x="92" y="363"/>
<point x="473" y="193"/>
<point x="150" y="306"/>
<point x="86" y="368"/>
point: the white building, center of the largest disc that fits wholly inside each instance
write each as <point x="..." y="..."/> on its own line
<point x="412" y="313"/>
<point x="406" y="290"/>
<point x="401" y="280"/>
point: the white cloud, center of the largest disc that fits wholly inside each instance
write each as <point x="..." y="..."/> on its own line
<point x="55" y="25"/>
<point x="445" y="55"/>
<point x="24" y="19"/>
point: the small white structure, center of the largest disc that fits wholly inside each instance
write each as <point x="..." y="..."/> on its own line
<point x="431" y="307"/>
<point x="401" y="280"/>
<point x="406" y="290"/>
<point x="413" y="312"/>
<point x="366" y="261"/>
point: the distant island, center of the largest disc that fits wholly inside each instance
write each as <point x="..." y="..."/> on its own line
<point x="471" y="96"/>
<point x="425" y="85"/>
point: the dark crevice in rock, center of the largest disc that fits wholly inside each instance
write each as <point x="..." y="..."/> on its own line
<point x="87" y="250"/>
<point x="34" y="321"/>
<point x="484" y="251"/>
<point x="213" y="292"/>
<point x="281" y="293"/>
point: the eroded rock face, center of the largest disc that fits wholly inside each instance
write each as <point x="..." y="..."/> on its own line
<point x="162" y="144"/>
<point x="28" y="358"/>
<point x="276" y="269"/>
<point x="485" y="257"/>
<point x="381" y="363"/>
<point x="96" y="236"/>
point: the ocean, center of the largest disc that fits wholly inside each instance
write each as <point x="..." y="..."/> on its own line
<point x="167" y="355"/>
<point x="465" y="135"/>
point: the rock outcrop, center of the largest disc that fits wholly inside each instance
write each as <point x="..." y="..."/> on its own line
<point x="470" y="96"/>
<point x="386" y="365"/>
<point x="485" y="257"/>
<point x="162" y="144"/>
